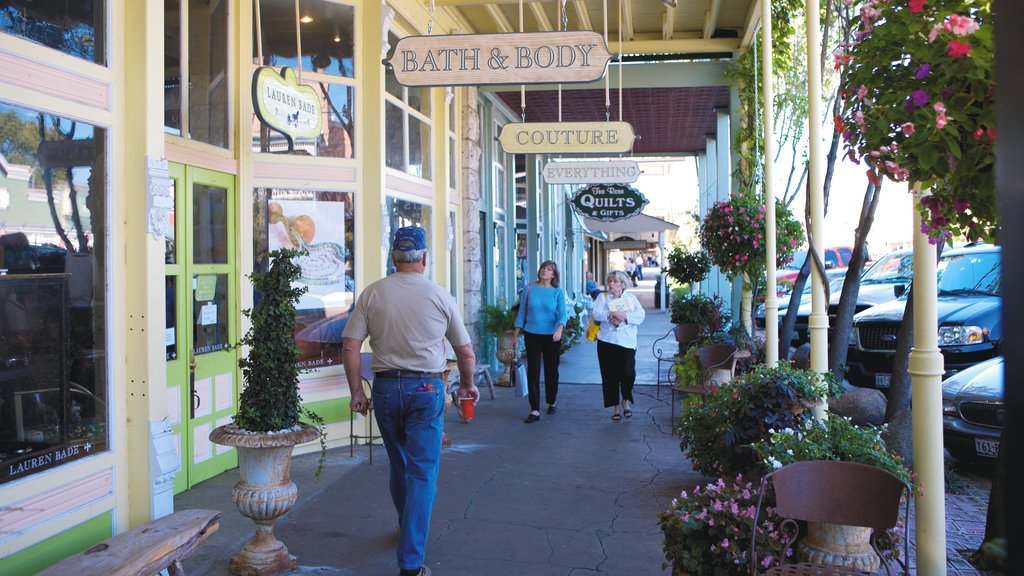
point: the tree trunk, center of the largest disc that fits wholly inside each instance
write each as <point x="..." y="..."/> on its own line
<point x="789" y="320"/>
<point x="995" y="521"/>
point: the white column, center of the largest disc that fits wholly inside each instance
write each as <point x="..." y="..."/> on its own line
<point x="926" y="368"/>
<point x="771" y="300"/>
<point x="818" y="321"/>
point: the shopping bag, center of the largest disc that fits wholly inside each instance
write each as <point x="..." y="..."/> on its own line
<point x="518" y="374"/>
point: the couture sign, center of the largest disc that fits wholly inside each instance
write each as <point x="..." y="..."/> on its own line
<point x="515" y="58"/>
<point x="286" y="106"/>
<point x="566" y="137"/>
<point x="586" y="172"/>
<point x="608" y="202"/>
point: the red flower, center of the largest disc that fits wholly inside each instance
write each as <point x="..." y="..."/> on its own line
<point x="916" y="6"/>
<point x="958" y="49"/>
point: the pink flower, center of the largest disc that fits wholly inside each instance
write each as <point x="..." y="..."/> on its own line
<point x="908" y="128"/>
<point x="862" y="91"/>
<point x="961" y="25"/>
<point x="916" y="6"/>
<point x="958" y="49"/>
<point x="725" y="543"/>
<point x="940" y="107"/>
<point x="991" y="133"/>
<point x="940" y="121"/>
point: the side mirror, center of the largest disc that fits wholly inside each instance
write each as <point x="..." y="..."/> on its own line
<point x="899" y="289"/>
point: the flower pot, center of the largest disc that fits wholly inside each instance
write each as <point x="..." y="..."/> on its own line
<point x="264" y="494"/>
<point x="839" y="545"/>
<point x="507" y="345"/>
<point x="686" y="333"/>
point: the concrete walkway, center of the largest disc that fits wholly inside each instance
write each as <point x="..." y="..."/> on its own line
<point x="572" y="495"/>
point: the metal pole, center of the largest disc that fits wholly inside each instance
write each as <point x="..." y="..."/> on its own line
<point x="771" y="300"/>
<point x="926" y="368"/>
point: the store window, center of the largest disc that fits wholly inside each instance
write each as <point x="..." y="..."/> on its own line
<point x="326" y="34"/>
<point x="323" y="224"/>
<point x="75" y="28"/>
<point x="200" y="113"/>
<point x="499" y="186"/>
<point x="404" y="213"/>
<point x="53" y="382"/>
<point x="407" y="124"/>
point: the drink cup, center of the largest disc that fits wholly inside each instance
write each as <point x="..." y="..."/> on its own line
<point x="466" y="407"/>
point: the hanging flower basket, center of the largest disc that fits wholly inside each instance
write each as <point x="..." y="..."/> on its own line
<point x="733" y="235"/>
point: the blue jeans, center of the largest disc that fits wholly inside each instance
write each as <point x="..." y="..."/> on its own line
<point x="409" y="414"/>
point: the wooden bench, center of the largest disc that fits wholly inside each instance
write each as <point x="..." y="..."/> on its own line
<point x="144" y="550"/>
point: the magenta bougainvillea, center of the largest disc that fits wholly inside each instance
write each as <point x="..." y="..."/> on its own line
<point x="918" y="106"/>
<point x="732" y="233"/>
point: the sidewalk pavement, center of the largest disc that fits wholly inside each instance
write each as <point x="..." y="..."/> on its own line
<point x="575" y="494"/>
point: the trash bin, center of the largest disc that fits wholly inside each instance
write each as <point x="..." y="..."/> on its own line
<point x="657" y="292"/>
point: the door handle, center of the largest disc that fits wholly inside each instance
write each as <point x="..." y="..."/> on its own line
<point x="195" y="400"/>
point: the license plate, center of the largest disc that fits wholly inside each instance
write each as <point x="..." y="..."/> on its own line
<point x="988" y="448"/>
<point x="883" y="380"/>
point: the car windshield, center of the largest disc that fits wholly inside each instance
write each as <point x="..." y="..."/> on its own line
<point x="971" y="273"/>
<point x="890" y="269"/>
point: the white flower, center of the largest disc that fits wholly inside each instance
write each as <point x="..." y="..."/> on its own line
<point x="790" y="451"/>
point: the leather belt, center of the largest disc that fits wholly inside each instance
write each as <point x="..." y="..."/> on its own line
<point x="406" y="374"/>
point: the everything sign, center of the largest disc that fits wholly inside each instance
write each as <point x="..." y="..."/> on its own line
<point x="517" y="58"/>
<point x="608" y="202"/>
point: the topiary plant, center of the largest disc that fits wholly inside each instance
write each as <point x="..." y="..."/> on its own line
<point x="687" y="267"/>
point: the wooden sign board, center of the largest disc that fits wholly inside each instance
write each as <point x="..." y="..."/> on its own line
<point x="608" y="202"/>
<point x="591" y="172"/>
<point x="66" y="153"/>
<point x="515" y="58"/>
<point x="286" y="106"/>
<point x="567" y="137"/>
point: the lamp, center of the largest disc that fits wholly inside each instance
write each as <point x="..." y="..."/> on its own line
<point x="306" y="19"/>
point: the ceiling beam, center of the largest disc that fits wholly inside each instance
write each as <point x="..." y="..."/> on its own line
<point x="627" y="19"/>
<point x="500" y="21"/>
<point x="582" y="14"/>
<point x="681" y="46"/>
<point x="750" y="24"/>
<point x="711" y="18"/>
<point x="668" y="24"/>
<point x="543" y="23"/>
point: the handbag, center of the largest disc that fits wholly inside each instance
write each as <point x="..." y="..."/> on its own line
<point x="518" y="375"/>
<point x="593" y="328"/>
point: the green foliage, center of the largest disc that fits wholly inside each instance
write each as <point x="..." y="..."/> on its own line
<point x="733" y="234"/>
<point x="270" y="398"/>
<point x="918" y="91"/>
<point x="716" y="433"/>
<point x="697" y="308"/>
<point x="573" y="329"/>
<point x="498" y="318"/>
<point x="687" y="267"/>
<point x="688" y="371"/>
<point x="708" y="532"/>
<point x="833" y="439"/>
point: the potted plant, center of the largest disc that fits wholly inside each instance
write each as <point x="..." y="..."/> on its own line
<point x="267" y="426"/>
<point x="687" y="267"/>
<point x="500" y="320"/>
<point x="835" y="439"/>
<point x="695" y="314"/>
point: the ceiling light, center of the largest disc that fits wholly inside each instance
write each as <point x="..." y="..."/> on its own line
<point x="337" y="38"/>
<point x="307" y="19"/>
<point x="669" y="3"/>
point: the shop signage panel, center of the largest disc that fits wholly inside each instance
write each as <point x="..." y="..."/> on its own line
<point x="567" y="137"/>
<point x="285" y="105"/>
<point x="591" y="172"/>
<point x="608" y="202"/>
<point x="66" y="153"/>
<point x="511" y="58"/>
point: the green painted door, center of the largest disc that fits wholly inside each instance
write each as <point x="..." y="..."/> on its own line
<point x="202" y="312"/>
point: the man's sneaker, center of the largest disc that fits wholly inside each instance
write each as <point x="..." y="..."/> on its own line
<point x="423" y="571"/>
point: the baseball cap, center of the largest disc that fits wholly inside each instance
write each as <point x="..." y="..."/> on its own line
<point x="409" y="238"/>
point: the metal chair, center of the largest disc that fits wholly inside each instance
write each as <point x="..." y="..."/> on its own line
<point x="366" y="378"/>
<point x="833" y="492"/>
<point x="665" y="350"/>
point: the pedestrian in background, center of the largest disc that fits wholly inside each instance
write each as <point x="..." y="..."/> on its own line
<point x="407" y="318"/>
<point x="541" y="318"/>
<point x="619" y="313"/>
<point x="590" y="286"/>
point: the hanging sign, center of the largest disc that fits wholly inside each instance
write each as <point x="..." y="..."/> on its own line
<point x="587" y="172"/>
<point x="286" y="106"/>
<point x="608" y="202"/>
<point x="566" y="137"/>
<point x="513" y="58"/>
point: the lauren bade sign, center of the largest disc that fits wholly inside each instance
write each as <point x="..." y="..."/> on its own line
<point x="283" y="104"/>
<point x="608" y="202"/>
<point x="591" y="172"/>
<point x="515" y="58"/>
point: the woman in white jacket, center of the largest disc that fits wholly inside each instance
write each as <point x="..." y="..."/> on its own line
<point x="618" y="313"/>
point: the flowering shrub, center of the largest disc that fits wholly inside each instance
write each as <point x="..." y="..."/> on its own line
<point x="732" y="233"/>
<point x="716" y="432"/>
<point x="918" y="90"/>
<point x="687" y="267"/>
<point x="708" y="532"/>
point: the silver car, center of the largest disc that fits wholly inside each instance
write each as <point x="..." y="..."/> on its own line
<point x="972" y="411"/>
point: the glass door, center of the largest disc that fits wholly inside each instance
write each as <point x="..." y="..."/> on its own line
<point x="201" y="320"/>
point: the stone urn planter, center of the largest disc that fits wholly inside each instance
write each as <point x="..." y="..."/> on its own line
<point x="264" y="494"/>
<point x="506" y="353"/>
<point x="838" y="545"/>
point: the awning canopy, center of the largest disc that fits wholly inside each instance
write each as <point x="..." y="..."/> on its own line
<point x="632" y="225"/>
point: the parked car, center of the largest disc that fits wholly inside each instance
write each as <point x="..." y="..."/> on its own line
<point x="972" y="411"/>
<point x="970" y="327"/>
<point x="833" y="258"/>
<point x="835" y="282"/>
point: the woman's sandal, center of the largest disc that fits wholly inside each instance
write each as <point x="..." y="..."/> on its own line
<point x="627" y="413"/>
<point x="616" y="417"/>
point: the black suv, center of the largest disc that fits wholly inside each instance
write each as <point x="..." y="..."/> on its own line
<point x="970" y="327"/>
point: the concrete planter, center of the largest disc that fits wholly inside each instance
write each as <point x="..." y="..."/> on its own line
<point x="507" y="345"/>
<point x="264" y="494"/>
<point x="838" y="545"/>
